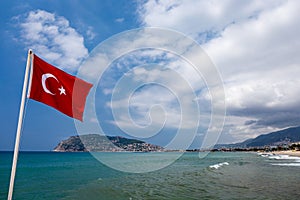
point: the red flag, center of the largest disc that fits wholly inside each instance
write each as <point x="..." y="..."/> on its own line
<point x="58" y="89"/>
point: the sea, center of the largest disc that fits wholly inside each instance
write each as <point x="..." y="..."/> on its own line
<point x="218" y="175"/>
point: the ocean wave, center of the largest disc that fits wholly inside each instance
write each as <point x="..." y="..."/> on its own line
<point x="217" y="166"/>
<point x="265" y="154"/>
<point x="279" y="156"/>
<point x="283" y="157"/>
<point x="283" y="160"/>
<point x="287" y="164"/>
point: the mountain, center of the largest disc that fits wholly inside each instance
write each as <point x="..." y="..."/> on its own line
<point x="274" y="138"/>
<point x="98" y="143"/>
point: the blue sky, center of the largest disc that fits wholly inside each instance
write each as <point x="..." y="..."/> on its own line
<point x="253" y="44"/>
<point x="43" y="126"/>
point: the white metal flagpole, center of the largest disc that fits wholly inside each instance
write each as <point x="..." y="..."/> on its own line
<point x="20" y="121"/>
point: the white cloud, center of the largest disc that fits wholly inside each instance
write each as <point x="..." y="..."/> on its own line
<point x="259" y="61"/>
<point x="119" y="20"/>
<point x="200" y="18"/>
<point x="130" y="56"/>
<point x="162" y="84"/>
<point x="52" y="37"/>
<point x="141" y="106"/>
<point x="255" y="45"/>
<point x="259" y="44"/>
<point x="90" y="33"/>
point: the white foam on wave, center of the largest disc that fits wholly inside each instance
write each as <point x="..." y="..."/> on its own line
<point x="217" y="166"/>
<point x="265" y="154"/>
<point x="287" y="164"/>
<point x="284" y="157"/>
<point x="279" y="156"/>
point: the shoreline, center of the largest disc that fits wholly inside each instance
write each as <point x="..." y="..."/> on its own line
<point x="289" y="153"/>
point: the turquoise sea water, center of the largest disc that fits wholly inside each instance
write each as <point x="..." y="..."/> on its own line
<point x="219" y="175"/>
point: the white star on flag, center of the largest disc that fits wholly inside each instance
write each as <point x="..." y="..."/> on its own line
<point x="62" y="90"/>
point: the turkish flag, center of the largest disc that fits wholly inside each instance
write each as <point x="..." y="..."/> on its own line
<point x="58" y="89"/>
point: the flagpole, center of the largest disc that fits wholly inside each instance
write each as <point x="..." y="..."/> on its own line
<point x="18" y="134"/>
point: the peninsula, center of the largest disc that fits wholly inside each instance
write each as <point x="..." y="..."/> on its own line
<point x="100" y="143"/>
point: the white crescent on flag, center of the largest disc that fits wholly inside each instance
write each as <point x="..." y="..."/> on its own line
<point x="44" y="78"/>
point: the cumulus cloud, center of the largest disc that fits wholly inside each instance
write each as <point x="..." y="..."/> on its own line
<point x="258" y="58"/>
<point x="159" y="80"/>
<point x="52" y="37"/>
<point x="255" y="46"/>
<point x="201" y="19"/>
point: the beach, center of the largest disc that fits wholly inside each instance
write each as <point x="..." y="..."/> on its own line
<point x="290" y="153"/>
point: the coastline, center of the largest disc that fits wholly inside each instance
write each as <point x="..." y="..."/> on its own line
<point x="289" y="152"/>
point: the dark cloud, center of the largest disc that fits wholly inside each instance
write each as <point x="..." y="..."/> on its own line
<point x="249" y="122"/>
<point x="268" y="117"/>
<point x="280" y="120"/>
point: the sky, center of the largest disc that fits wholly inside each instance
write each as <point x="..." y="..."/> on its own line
<point x="254" y="45"/>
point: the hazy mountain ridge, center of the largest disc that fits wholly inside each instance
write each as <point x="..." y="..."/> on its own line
<point x="288" y="135"/>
